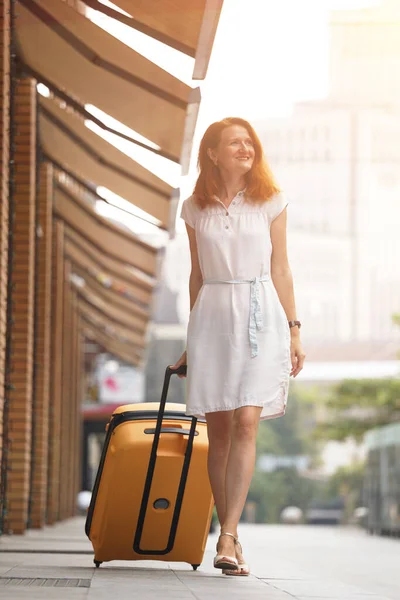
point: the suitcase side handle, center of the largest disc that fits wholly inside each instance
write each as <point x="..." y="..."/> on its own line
<point x="171" y="430"/>
<point x="150" y="473"/>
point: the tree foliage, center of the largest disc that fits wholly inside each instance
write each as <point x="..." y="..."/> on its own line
<point x="354" y="406"/>
<point x="347" y="479"/>
<point x="285" y="436"/>
<point x="272" y="492"/>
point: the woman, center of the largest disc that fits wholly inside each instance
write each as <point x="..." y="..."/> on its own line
<point x="243" y="338"/>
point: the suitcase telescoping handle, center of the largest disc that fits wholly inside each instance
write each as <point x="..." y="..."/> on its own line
<point x="150" y="473"/>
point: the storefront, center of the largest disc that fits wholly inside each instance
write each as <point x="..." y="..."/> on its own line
<point x="68" y="274"/>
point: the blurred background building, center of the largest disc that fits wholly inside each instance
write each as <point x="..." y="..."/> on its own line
<point x="338" y="159"/>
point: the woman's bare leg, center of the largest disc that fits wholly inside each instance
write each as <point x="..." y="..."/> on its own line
<point x="219" y="427"/>
<point x="239" y="471"/>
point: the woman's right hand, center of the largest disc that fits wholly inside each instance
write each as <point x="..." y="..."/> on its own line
<point x="181" y="361"/>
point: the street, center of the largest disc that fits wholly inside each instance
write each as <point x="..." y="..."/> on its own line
<point x="287" y="563"/>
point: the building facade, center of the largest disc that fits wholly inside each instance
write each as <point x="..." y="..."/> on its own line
<point x="70" y="278"/>
<point x="338" y="160"/>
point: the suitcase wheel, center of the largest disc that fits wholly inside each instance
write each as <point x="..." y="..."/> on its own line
<point x="195" y="567"/>
<point x="97" y="563"/>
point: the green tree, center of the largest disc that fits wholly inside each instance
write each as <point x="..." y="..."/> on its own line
<point x="348" y="483"/>
<point x="286" y="436"/>
<point x="347" y="479"/>
<point x="272" y="492"/>
<point x="354" y="406"/>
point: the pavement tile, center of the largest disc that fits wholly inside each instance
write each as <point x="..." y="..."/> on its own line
<point x="49" y="546"/>
<point x="41" y="593"/>
<point x="51" y="572"/>
<point x="316" y="589"/>
<point x="280" y="572"/>
<point x="143" y="565"/>
<point x="48" y="560"/>
<point x="351" y="597"/>
<point x="132" y="592"/>
<point x="242" y="595"/>
<point x="220" y="587"/>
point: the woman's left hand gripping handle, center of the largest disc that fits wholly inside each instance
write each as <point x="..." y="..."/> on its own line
<point x="181" y="361"/>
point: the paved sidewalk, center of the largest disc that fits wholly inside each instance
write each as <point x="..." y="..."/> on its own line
<point x="288" y="563"/>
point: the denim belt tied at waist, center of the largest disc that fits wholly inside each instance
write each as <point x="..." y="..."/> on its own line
<point x="255" y="320"/>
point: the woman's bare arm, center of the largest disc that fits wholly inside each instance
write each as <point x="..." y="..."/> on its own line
<point x="196" y="278"/>
<point x="283" y="281"/>
<point x="280" y="269"/>
<point x="195" y="283"/>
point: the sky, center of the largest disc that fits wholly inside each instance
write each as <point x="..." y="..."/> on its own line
<point x="267" y="55"/>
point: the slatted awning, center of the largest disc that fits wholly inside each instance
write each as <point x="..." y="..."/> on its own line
<point x="82" y="64"/>
<point x="76" y="56"/>
<point x="99" y="319"/>
<point x="110" y="343"/>
<point x="106" y="269"/>
<point x="106" y="295"/>
<point x="186" y="25"/>
<point x="103" y="235"/>
<point x="70" y="144"/>
<point x="130" y="321"/>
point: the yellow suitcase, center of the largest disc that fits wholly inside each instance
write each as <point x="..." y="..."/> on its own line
<point x="152" y="497"/>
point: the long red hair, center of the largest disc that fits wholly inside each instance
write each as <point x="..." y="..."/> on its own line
<point x="260" y="183"/>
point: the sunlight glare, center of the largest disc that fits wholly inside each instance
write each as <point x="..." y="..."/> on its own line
<point x="174" y="62"/>
<point x="118" y="126"/>
<point x="43" y="90"/>
<point x="115" y="7"/>
<point x="161" y="167"/>
<point x="148" y="232"/>
<point x="127" y="206"/>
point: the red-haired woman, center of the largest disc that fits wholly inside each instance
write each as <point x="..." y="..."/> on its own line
<point x="243" y="338"/>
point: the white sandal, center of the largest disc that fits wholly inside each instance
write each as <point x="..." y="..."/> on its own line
<point x="241" y="566"/>
<point x="222" y="561"/>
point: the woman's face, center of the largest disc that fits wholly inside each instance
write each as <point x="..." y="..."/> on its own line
<point x="235" y="151"/>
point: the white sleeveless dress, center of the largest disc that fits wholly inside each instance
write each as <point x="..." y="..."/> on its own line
<point x="238" y="337"/>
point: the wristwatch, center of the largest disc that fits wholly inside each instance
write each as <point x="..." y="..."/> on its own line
<point x="294" y="323"/>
